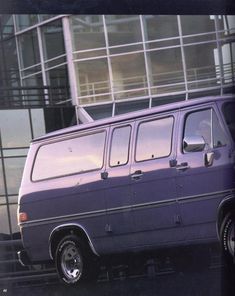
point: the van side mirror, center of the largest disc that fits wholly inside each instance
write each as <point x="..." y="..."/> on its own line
<point x="193" y="144"/>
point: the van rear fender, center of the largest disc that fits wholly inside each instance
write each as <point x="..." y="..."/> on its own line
<point x="62" y="230"/>
<point x="226" y="205"/>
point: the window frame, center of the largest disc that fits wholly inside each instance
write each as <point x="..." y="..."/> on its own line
<point x="104" y="130"/>
<point x="110" y="146"/>
<point x="149" y="120"/>
<point x="223" y="119"/>
<point x="213" y="113"/>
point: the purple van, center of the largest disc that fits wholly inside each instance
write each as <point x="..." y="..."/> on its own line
<point x="149" y="179"/>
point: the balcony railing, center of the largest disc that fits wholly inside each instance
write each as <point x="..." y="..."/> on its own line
<point x="24" y="97"/>
<point x="169" y="82"/>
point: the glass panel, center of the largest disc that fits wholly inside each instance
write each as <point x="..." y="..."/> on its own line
<point x="12" y="199"/>
<point x="14" y="222"/>
<point x="24" y="21"/>
<point x="195" y="24"/>
<point x="228" y="57"/>
<point x="199" y="124"/>
<point x="44" y="17"/>
<point x="4" y="225"/>
<point x="219" y="136"/>
<point x="9" y="121"/>
<point x="57" y="118"/>
<point x="198" y="25"/>
<point x="227" y="23"/>
<point x="154" y="139"/>
<point x="7" y="26"/>
<point x="9" y="74"/>
<point x="125" y="107"/>
<point x="201" y="38"/>
<point x="161" y="26"/>
<point x="2" y="188"/>
<point x="90" y="54"/>
<point x="38" y="122"/>
<point x="123" y="29"/>
<point x="93" y="77"/>
<point x="205" y="123"/>
<point x="94" y="99"/>
<point x="34" y="94"/>
<point x="229" y="111"/>
<point x="31" y="71"/>
<point x="15" y="152"/>
<point x="166" y="70"/>
<point x="29" y="50"/>
<point x="53" y="40"/>
<point x="2" y="198"/>
<point x="126" y="48"/>
<point x="58" y="61"/>
<point x="59" y="85"/>
<point x="129" y="75"/>
<point x="167" y="100"/>
<point x="204" y="92"/>
<point x="71" y="156"/>
<point x="87" y="32"/>
<point x="120" y="146"/>
<point x="201" y="65"/>
<point x="162" y="43"/>
<point x="99" y="112"/>
<point x="14" y="170"/>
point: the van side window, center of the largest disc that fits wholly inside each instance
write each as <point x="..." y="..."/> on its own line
<point x="120" y="146"/>
<point x="70" y="156"/>
<point x="219" y="136"/>
<point x="229" y="111"/>
<point x="205" y="123"/>
<point x="154" y="139"/>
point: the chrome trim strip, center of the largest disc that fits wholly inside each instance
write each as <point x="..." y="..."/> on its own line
<point x="209" y="195"/>
<point x="98" y="212"/>
<point x="68" y="225"/>
<point x="56" y="218"/>
<point x="125" y="208"/>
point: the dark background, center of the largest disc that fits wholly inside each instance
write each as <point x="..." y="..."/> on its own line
<point x="198" y="270"/>
<point x="119" y="6"/>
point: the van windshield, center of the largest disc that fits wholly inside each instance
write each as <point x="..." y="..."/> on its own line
<point x="229" y="111"/>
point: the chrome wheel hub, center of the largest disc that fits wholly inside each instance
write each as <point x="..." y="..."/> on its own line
<point x="71" y="262"/>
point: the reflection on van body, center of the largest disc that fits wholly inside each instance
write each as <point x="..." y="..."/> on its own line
<point x="149" y="179"/>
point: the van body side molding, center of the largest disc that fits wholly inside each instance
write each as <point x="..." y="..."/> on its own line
<point x="122" y="209"/>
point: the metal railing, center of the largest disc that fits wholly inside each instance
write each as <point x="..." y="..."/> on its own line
<point x="169" y="81"/>
<point x="24" y="97"/>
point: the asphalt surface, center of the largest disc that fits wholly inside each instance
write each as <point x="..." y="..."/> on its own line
<point x="190" y="272"/>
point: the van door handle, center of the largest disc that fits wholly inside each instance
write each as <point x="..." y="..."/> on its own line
<point x="137" y="175"/>
<point x="104" y="175"/>
<point x="183" y="166"/>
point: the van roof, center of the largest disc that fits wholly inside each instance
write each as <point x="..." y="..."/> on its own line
<point x="132" y="115"/>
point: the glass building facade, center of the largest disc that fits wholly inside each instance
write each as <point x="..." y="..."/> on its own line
<point x="61" y="70"/>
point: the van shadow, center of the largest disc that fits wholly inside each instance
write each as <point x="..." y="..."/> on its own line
<point x="197" y="271"/>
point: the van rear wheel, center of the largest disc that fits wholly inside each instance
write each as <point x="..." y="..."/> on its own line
<point x="70" y="260"/>
<point x="227" y="235"/>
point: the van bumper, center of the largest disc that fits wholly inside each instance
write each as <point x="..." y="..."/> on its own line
<point x="23" y="258"/>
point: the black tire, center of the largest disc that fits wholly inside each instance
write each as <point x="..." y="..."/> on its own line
<point x="73" y="260"/>
<point x="227" y="235"/>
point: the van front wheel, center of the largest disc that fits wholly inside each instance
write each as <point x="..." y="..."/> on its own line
<point x="227" y="235"/>
<point x="69" y="261"/>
